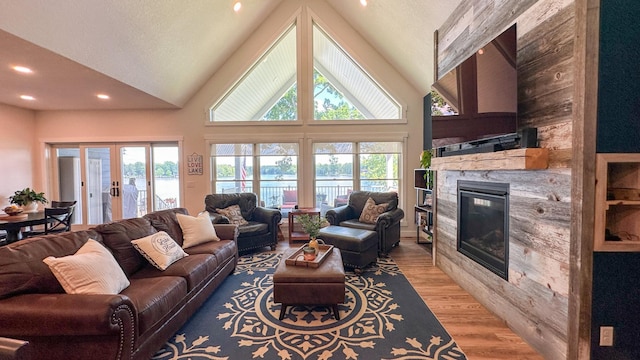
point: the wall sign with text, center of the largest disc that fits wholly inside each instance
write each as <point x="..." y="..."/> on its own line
<point x="194" y="164"/>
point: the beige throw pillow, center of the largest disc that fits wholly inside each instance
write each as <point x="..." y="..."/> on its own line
<point x="234" y="214"/>
<point x="91" y="270"/>
<point x="196" y="230"/>
<point x="159" y="249"/>
<point x="371" y="211"/>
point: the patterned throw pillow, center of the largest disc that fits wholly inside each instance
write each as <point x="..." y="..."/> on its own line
<point x="234" y="214"/>
<point x="159" y="249"/>
<point x="371" y="211"/>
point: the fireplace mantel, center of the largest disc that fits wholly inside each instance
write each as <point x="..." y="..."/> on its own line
<point x="517" y="159"/>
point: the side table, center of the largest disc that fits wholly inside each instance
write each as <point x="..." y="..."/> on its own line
<point x="296" y="233"/>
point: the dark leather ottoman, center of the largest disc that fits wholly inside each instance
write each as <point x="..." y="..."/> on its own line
<point x="297" y="285"/>
<point x="359" y="247"/>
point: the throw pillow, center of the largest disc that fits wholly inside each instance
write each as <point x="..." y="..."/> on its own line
<point x="196" y="230"/>
<point x="160" y="249"/>
<point x="371" y="211"/>
<point x="234" y="214"/>
<point x="91" y="270"/>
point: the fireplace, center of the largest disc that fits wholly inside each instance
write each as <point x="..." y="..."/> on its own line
<point x="483" y="224"/>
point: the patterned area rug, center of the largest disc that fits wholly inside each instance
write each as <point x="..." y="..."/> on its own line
<point x="383" y="318"/>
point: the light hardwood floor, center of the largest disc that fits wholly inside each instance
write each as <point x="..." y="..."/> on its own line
<point x="480" y="334"/>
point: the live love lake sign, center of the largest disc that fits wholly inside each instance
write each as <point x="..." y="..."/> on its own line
<point x="194" y="164"/>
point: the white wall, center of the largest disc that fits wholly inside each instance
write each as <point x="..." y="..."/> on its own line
<point x="17" y="151"/>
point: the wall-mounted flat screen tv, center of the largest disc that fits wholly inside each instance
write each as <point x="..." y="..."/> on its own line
<point x="479" y="97"/>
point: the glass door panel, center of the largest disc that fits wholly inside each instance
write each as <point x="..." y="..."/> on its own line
<point x="166" y="177"/>
<point x="100" y="187"/>
<point x="69" y="179"/>
<point x="135" y="181"/>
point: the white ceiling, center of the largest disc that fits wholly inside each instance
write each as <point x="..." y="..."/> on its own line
<point x="155" y="54"/>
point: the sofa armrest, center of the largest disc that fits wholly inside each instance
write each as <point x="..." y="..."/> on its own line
<point x="68" y="315"/>
<point x="389" y="218"/>
<point x="13" y="348"/>
<point x="267" y="216"/>
<point x="226" y="231"/>
<point x="218" y="218"/>
<point x="339" y="214"/>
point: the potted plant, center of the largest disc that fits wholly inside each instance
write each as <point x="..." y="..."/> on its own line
<point x="312" y="225"/>
<point x="425" y="162"/>
<point x="27" y="198"/>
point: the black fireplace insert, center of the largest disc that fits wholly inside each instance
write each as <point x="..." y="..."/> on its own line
<point x="483" y="224"/>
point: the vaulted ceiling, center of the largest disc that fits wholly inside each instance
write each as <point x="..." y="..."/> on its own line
<point x="155" y="54"/>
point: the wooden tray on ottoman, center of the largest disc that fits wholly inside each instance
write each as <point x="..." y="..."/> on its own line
<point x="297" y="257"/>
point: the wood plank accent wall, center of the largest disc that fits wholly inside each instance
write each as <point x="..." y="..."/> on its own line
<point x="534" y="302"/>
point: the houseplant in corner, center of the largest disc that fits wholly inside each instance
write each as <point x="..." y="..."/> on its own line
<point x="28" y="199"/>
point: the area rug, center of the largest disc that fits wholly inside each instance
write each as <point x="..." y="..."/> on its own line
<point x="382" y="318"/>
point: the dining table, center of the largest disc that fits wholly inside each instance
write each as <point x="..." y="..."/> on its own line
<point x="13" y="225"/>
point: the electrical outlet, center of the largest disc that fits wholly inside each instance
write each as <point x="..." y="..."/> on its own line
<point x="606" y="335"/>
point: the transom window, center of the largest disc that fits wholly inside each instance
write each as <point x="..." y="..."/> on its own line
<point x="268" y="91"/>
<point x="342" y="90"/>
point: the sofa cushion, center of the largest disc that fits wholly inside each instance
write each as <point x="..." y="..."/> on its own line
<point x="156" y="299"/>
<point x="196" y="230"/>
<point x="223" y="250"/>
<point x="91" y="270"/>
<point x="159" y="249"/>
<point x="118" y="235"/>
<point x="371" y="211"/>
<point x="166" y="220"/>
<point x="253" y="229"/>
<point x="234" y="215"/>
<point x="194" y="269"/>
<point x="21" y="267"/>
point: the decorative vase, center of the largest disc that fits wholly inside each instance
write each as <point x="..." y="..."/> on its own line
<point x="315" y="243"/>
<point x="30" y="207"/>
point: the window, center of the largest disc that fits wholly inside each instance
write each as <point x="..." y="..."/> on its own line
<point x="377" y="164"/>
<point x="233" y="167"/>
<point x="342" y="90"/>
<point x="274" y="179"/>
<point x="268" y="91"/>
<point x="333" y="172"/>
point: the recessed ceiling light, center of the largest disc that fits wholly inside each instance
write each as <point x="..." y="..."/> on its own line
<point x="22" y="69"/>
<point x="27" y="97"/>
<point x="363" y="2"/>
<point x="237" y="6"/>
<point x="103" y="96"/>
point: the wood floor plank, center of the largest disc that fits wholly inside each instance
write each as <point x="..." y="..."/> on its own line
<point x="479" y="333"/>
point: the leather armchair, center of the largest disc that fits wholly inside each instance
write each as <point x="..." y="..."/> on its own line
<point x="387" y="225"/>
<point x="262" y="229"/>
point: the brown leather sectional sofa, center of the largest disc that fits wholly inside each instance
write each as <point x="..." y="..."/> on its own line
<point x="131" y="325"/>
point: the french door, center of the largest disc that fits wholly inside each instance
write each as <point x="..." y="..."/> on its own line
<point x="116" y="181"/>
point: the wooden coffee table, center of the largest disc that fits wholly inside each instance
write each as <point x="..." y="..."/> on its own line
<point x="298" y="285"/>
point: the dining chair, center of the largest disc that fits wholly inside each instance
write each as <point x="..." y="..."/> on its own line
<point x="58" y="218"/>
